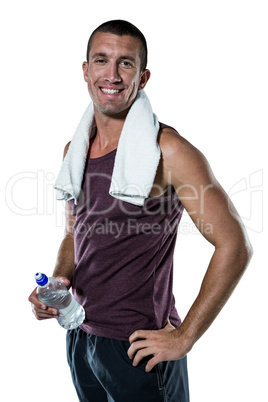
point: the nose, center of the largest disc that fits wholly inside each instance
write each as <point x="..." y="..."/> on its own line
<point x="112" y="73"/>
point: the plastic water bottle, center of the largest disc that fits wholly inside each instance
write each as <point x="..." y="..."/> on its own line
<point x="53" y="293"/>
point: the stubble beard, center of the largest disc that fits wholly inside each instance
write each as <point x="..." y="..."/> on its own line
<point x="112" y="111"/>
<point x="115" y="111"/>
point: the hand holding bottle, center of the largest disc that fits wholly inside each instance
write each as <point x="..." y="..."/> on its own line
<point x="40" y="310"/>
<point x="52" y="292"/>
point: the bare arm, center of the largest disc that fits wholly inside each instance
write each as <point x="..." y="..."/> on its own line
<point x="64" y="267"/>
<point x="205" y="200"/>
<point x="65" y="258"/>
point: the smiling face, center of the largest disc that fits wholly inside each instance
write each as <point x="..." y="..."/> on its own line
<point x="113" y="73"/>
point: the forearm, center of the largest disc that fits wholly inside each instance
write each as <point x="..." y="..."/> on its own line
<point x="224" y="272"/>
<point x="65" y="258"/>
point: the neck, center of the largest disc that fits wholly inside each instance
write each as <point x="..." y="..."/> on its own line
<point x="108" y="130"/>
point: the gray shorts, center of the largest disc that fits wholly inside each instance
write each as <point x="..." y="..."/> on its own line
<point x="102" y="372"/>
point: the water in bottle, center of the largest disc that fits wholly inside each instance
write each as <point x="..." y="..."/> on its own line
<point x="53" y="293"/>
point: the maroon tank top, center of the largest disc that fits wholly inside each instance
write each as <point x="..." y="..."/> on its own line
<point x="123" y="256"/>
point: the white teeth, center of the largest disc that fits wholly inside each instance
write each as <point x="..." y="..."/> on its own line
<point x="110" y="91"/>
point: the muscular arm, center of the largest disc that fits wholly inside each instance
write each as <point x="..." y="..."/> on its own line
<point x="206" y="202"/>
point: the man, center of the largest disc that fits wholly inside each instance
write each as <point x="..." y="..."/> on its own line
<point x="133" y="345"/>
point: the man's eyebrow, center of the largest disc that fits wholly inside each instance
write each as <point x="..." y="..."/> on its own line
<point x="124" y="57"/>
<point x="99" y="54"/>
<point x="128" y="58"/>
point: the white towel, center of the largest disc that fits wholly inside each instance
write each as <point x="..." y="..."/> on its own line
<point x="136" y="160"/>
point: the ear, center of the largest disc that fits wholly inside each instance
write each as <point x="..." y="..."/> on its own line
<point x="85" y="70"/>
<point x="145" y="75"/>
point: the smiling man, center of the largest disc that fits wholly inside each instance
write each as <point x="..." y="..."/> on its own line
<point x="118" y="58"/>
<point x="118" y="256"/>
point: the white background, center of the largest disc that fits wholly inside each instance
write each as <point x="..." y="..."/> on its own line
<point x="209" y="80"/>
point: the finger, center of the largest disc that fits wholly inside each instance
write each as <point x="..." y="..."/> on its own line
<point x="136" y="346"/>
<point x="42" y="314"/>
<point x="36" y="304"/>
<point x="151" y="363"/>
<point x="64" y="280"/>
<point x="139" y="334"/>
<point x="141" y="354"/>
<point x="33" y="299"/>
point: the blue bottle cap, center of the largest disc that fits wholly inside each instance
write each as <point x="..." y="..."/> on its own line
<point x="41" y="279"/>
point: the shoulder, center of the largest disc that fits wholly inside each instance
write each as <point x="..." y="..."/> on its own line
<point x="173" y="146"/>
<point x="180" y="157"/>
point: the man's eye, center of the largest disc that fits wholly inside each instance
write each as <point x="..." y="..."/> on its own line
<point x="100" y="61"/>
<point x="127" y="64"/>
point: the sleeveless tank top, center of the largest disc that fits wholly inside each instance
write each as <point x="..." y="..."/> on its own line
<point x="123" y="256"/>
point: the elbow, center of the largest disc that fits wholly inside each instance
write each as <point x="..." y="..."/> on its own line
<point x="247" y="247"/>
<point x="249" y="251"/>
<point x="243" y="247"/>
<point x="244" y="252"/>
<point x="238" y="252"/>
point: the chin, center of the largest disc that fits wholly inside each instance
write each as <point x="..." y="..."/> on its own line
<point x="112" y="112"/>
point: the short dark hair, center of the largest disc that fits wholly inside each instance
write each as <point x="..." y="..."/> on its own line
<point x="121" y="28"/>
